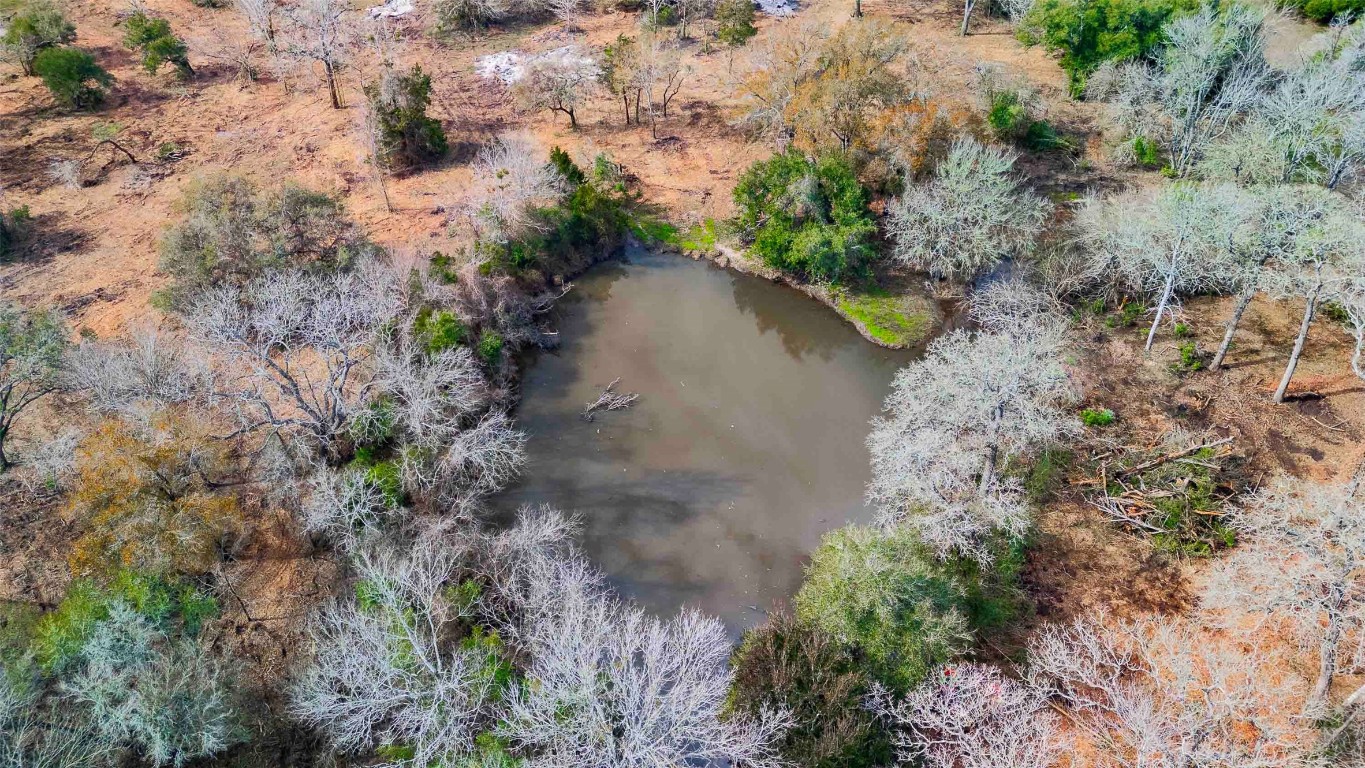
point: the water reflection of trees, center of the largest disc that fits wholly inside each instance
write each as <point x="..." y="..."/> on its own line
<point x="801" y="331"/>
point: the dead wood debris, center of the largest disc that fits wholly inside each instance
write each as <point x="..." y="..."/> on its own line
<point x="609" y="400"/>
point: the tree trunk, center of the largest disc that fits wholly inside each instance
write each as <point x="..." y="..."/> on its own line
<point x="988" y="472"/>
<point x="1309" y="309"/>
<point x="332" y="89"/>
<point x="383" y="186"/>
<point x="1327" y="654"/>
<point x="625" y="97"/>
<point x="857" y="9"/>
<point x="1160" y="309"/>
<point x="573" y="121"/>
<point x="1243" y="301"/>
<point x="967" y="7"/>
<point x="1352" y="709"/>
<point x="4" y="459"/>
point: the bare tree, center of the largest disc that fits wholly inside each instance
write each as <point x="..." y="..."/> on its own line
<point x="661" y="75"/>
<point x="1208" y="76"/>
<point x="1352" y="302"/>
<point x="38" y="734"/>
<point x="455" y="452"/>
<point x="389" y="669"/>
<point x="1325" y="259"/>
<point x="1180" y="239"/>
<point x="968" y="217"/>
<point x="316" y="33"/>
<point x="511" y="179"/>
<point x="953" y="417"/>
<point x="297" y="346"/>
<point x="260" y="18"/>
<point x="150" y="368"/>
<point x="971" y="716"/>
<point x="1157" y="695"/>
<point x="31" y="347"/>
<point x="1301" y="562"/>
<point x="567" y="11"/>
<point x="690" y="11"/>
<point x="778" y="64"/>
<point x="346" y="507"/>
<point x="608" y="686"/>
<point x="557" y="82"/>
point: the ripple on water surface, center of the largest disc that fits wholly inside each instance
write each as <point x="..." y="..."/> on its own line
<point x="746" y="443"/>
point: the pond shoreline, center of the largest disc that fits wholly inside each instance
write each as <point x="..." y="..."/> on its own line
<point x="737" y="260"/>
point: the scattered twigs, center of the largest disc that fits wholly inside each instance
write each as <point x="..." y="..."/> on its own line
<point x="1177" y="494"/>
<point x="609" y="400"/>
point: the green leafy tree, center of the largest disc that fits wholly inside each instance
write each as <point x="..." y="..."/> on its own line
<point x="404" y="135"/>
<point x="152" y="36"/>
<point x="37" y="26"/>
<point x="794" y="666"/>
<point x="735" y="22"/>
<point x="73" y="77"/>
<point x="31" y="348"/>
<point x="808" y="217"/>
<point x="1087" y="33"/>
<point x="1326" y="10"/>
<point x="880" y="593"/>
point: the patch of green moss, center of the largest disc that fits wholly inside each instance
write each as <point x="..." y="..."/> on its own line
<point x="900" y="321"/>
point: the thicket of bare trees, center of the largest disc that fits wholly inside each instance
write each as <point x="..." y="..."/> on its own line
<point x="1207" y="77"/>
<point x="602" y="684"/>
<point x="1177" y="240"/>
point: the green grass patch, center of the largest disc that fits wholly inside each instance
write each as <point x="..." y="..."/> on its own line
<point x="900" y="321"/>
<point x="700" y="237"/>
<point x="654" y="231"/>
<point x="1097" y="417"/>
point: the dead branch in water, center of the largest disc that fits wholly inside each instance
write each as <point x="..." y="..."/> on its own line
<point x="609" y="400"/>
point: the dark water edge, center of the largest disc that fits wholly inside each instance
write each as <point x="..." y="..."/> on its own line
<point x="746" y="444"/>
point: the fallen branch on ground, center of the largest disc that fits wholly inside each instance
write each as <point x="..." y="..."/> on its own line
<point x="1158" y="461"/>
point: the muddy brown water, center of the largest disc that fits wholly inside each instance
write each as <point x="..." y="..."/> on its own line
<point x="745" y="446"/>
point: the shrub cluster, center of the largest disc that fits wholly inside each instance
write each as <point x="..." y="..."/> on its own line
<point x="72" y="76"/>
<point x="807" y="217"/>
<point x="115" y="673"/>
<point x="588" y="222"/>
<point x="37" y="25"/>
<point x="233" y="231"/>
<point x="877" y="611"/>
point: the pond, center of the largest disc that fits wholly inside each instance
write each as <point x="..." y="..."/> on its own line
<point x="745" y="446"/>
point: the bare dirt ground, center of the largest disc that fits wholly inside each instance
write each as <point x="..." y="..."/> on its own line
<point x="97" y="254"/>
